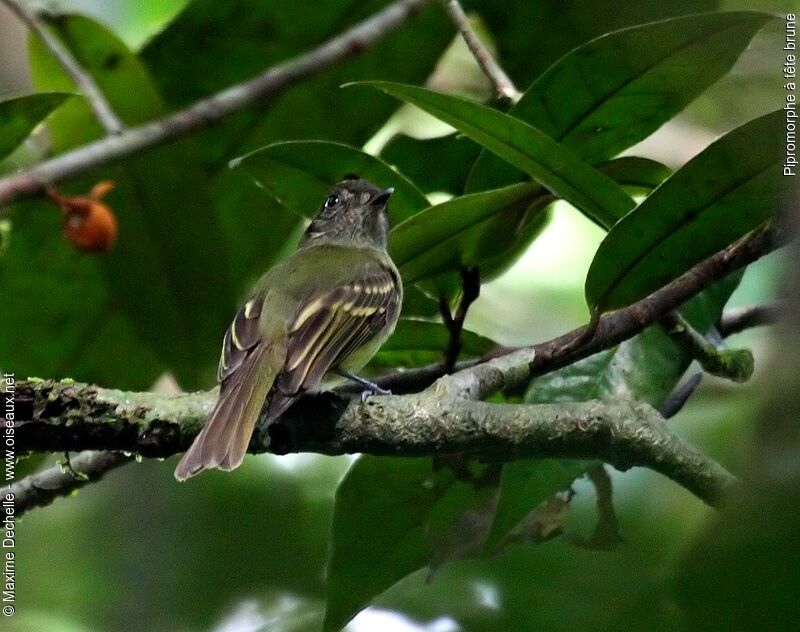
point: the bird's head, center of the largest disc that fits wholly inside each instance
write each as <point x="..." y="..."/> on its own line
<point x="354" y="211"/>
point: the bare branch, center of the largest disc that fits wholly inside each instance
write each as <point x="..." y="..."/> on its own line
<point x="42" y="488"/>
<point x="211" y="110"/>
<point x="502" y="83"/>
<point x="83" y="80"/>
<point x="735" y="320"/>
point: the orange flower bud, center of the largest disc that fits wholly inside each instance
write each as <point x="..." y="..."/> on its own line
<point x="89" y="224"/>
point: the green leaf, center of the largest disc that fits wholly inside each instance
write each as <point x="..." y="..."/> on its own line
<point x="436" y="164"/>
<point x="525" y="484"/>
<point x="722" y="194"/>
<point x="492" y="228"/>
<point x="421" y="342"/>
<point x="641" y="174"/>
<point x="378" y="535"/>
<point x="167" y="277"/>
<point x="434" y="515"/>
<point x="300" y="174"/>
<point x="525" y="147"/>
<point x="440" y="238"/>
<point x="20" y="115"/>
<point x="532" y="36"/>
<point x="614" y="91"/>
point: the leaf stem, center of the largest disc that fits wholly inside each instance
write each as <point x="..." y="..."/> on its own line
<point x="470" y="291"/>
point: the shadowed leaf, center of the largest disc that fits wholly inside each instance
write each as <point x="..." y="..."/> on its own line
<point x="20" y="115"/>
<point x="725" y="192"/>
<point x="614" y="91"/>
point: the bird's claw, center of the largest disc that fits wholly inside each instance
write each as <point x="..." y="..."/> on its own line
<point x="374" y="389"/>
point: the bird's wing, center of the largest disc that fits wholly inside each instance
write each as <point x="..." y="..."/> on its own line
<point x="328" y="328"/>
<point x="247" y="370"/>
<point x="241" y="338"/>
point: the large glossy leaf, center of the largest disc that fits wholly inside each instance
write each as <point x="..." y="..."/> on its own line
<point x="438" y="238"/>
<point x="167" y="277"/>
<point x="614" y="91"/>
<point x="426" y="508"/>
<point x="531" y="36"/>
<point x="20" y="115"/>
<point x="525" y="147"/>
<point x="378" y="535"/>
<point x="300" y="174"/>
<point x="421" y="342"/>
<point x="719" y="196"/>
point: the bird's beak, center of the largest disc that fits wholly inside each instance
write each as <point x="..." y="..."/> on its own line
<point x="382" y="197"/>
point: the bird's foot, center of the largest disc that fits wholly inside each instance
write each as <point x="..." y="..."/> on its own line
<point x="370" y="388"/>
<point x="373" y="389"/>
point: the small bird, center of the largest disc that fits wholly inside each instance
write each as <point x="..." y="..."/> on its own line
<point x="322" y="312"/>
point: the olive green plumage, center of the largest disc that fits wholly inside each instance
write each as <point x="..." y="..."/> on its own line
<point x="329" y="306"/>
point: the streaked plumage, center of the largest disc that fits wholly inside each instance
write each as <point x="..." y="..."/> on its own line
<point x="330" y="305"/>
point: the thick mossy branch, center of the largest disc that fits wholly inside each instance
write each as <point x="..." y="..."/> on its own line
<point x="443" y="419"/>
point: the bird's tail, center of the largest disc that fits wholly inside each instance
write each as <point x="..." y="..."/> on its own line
<point x="224" y="439"/>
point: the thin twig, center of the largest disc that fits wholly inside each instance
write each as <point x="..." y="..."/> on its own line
<point x="470" y="291"/>
<point x="502" y="83"/>
<point x="211" y="110"/>
<point x="83" y="80"/>
<point x="735" y="320"/>
<point x="42" y="488"/>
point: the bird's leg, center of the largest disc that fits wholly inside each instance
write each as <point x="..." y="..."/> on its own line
<point x="370" y="388"/>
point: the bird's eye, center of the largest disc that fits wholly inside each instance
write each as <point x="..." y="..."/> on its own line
<point x="332" y="200"/>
